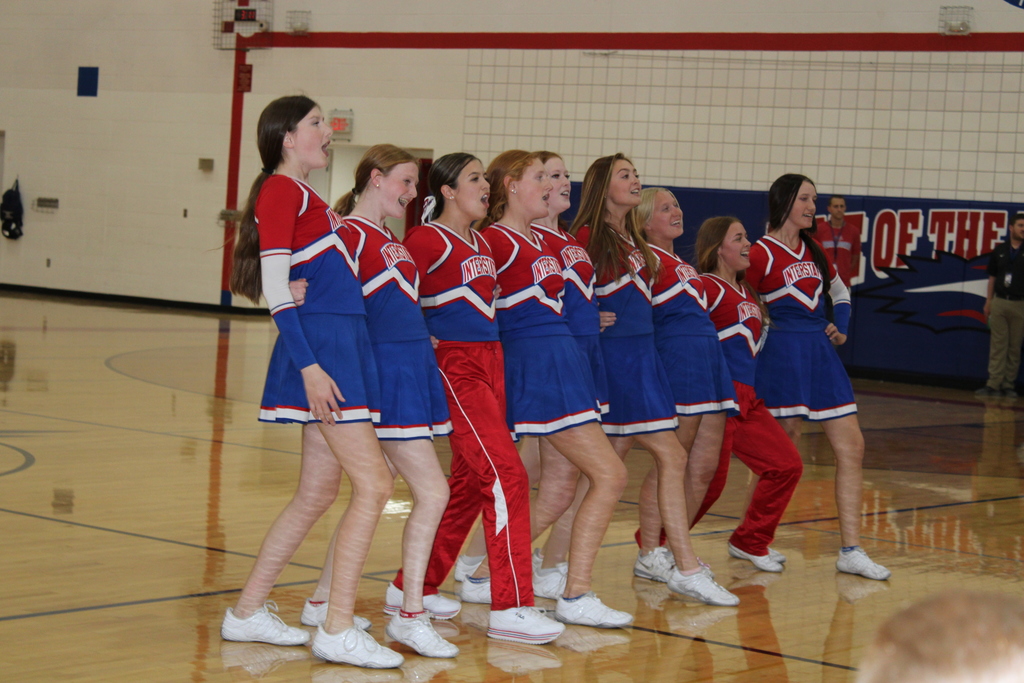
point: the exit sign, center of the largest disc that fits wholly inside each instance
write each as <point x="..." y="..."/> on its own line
<point x="342" y="122"/>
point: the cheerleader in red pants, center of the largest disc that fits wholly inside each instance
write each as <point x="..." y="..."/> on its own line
<point x="457" y="282"/>
<point x="754" y="435"/>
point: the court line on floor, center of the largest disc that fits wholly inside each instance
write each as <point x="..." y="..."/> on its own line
<point x="979" y="403"/>
<point x="745" y="648"/>
<point x="149" y="601"/>
<point x="147" y="537"/>
<point x="912" y="509"/>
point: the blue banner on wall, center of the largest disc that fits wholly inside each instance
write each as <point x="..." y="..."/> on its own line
<point x="917" y="302"/>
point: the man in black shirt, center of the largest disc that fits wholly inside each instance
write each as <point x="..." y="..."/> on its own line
<point x="1004" y="310"/>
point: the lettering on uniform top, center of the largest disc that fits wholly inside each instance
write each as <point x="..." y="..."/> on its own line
<point x="544" y="267"/>
<point x="798" y="271"/>
<point x="574" y="254"/>
<point x="685" y="271"/>
<point x="636" y="259"/>
<point x="394" y="253"/>
<point x="478" y="266"/>
<point x="747" y="310"/>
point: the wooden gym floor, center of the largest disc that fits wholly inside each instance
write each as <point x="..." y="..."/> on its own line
<point x="136" y="486"/>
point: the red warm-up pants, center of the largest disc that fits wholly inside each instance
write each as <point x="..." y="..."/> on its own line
<point x="761" y="444"/>
<point x="487" y="476"/>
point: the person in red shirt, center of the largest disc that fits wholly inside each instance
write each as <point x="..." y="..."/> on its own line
<point x="840" y="239"/>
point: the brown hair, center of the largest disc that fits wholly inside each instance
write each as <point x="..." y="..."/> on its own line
<point x="511" y="164"/>
<point x="383" y="158"/>
<point x="280" y="117"/>
<point x="606" y="249"/>
<point x="710" y="238"/>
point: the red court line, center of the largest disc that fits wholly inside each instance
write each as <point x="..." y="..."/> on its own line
<point x="796" y="42"/>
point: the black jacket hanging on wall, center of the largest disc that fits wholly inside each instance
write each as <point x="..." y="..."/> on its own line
<point x="11" y="213"/>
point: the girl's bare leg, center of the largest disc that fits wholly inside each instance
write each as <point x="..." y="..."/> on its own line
<point x="358" y="452"/>
<point x="848" y="444"/>
<point x="587" y="447"/>
<point x="319" y="479"/>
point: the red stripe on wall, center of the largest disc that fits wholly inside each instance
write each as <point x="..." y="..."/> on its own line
<point x="884" y="42"/>
<point x="231" y="200"/>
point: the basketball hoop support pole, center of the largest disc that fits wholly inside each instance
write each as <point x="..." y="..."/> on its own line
<point x="234" y="155"/>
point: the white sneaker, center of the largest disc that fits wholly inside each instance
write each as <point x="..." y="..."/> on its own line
<point x="523" y="625"/>
<point x="315" y="614"/>
<point x="354" y="646"/>
<point x="857" y="561"/>
<point x="656" y="565"/>
<point x="588" y="610"/>
<point x="262" y="627"/>
<point x="699" y="587"/>
<point x="476" y="590"/>
<point x="417" y="633"/>
<point x="466" y="565"/>
<point x="538" y="563"/>
<point x="776" y="555"/>
<point x="763" y="562"/>
<point x="437" y="606"/>
<point x="548" y="583"/>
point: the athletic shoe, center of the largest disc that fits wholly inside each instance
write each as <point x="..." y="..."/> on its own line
<point x="1010" y="393"/>
<point x="523" y="625"/>
<point x="437" y="606"/>
<point x="417" y="633"/>
<point x="258" y="659"/>
<point x="582" y="639"/>
<point x="763" y="562"/>
<point x="656" y="565"/>
<point x="699" y="587"/>
<point x="538" y="563"/>
<point x="706" y="568"/>
<point x="548" y="583"/>
<point x="316" y="614"/>
<point x="588" y="610"/>
<point x="987" y="391"/>
<point x="856" y="561"/>
<point x="262" y="627"/>
<point x="354" y="646"/>
<point x="466" y="565"/>
<point x="476" y="590"/>
<point x="777" y="556"/>
<point x="520" y="659"/>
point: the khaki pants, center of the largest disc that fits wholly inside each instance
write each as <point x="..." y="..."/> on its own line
<point x="1007" y="325"/>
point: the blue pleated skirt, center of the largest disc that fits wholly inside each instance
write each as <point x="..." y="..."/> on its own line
<point x="548" y="385"/>
<point x="799" y="374"/>
<point x="413" y="403"/>
<point x="698" y="374"/>
<point x="342" y="348"/>
<point x="639" y="394"/>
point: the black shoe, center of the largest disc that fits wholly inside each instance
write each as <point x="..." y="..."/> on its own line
<point x="988" y="391"/>
<point x="1009" y="393"/>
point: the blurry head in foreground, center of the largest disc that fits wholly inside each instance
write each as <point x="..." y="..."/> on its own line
<point x="956" y="637"/>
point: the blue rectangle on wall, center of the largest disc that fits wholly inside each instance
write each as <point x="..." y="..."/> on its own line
<point x="88" y="81"/>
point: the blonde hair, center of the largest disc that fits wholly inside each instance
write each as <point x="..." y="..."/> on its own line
<point x="383" y="158"/>
<point x="645" y="209"/>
